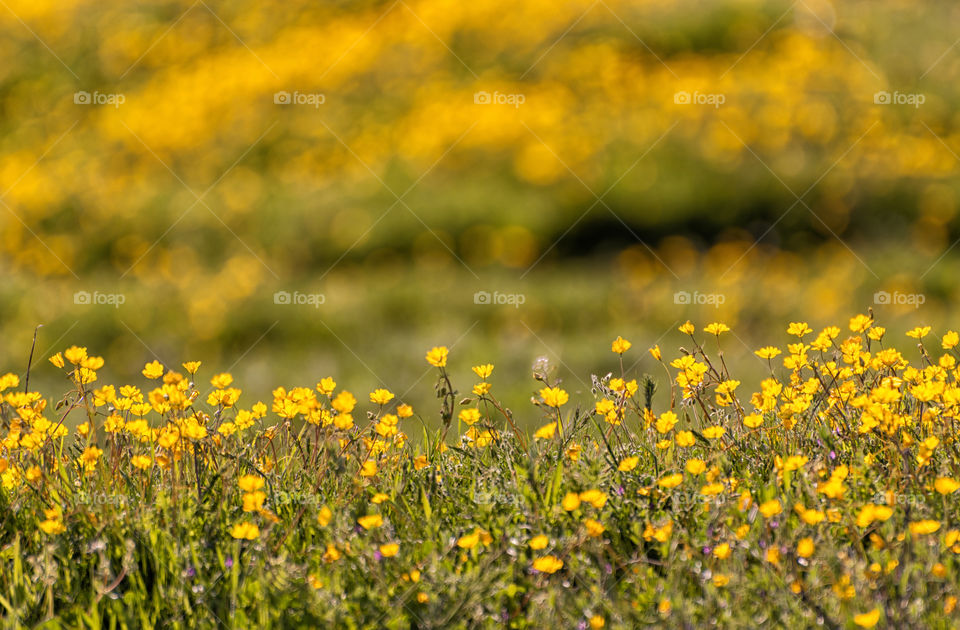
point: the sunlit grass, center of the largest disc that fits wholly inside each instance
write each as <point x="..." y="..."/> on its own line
<point x="825" y="495"/>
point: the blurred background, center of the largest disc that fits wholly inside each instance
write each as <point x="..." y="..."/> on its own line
<point x="290" y="190"/>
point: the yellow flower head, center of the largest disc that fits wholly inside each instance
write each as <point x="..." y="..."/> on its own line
<point x="546" y="432"/>
<point x="860" y="323"/>
<point x="727" y="387"/>
<point x="245" y="531"/>
<point x="810" y="517"/>
<point x="805" y="547"/>
<point x="468" y="541"/>
<point x="371" y="521"/>
<point x="222" y="381"/>
<point x="767" y="352"/>
<point x="10" y="380"/>
<point x="671" y="481"/>
<point x="920" y="528"/>
<point x="628" y="464"/>
<point x="714" y="432"/>
<point x="752" y="421"/>
<point x="666" y="422"/>
<point x="483" y="371"/>
<point x="380" y="396"/>
<point x="950" y="339"/>
<point x="52" y="526"/>
<point x="152" y="370"/>
<point x="344" y="402"/>
<point x="548" y="564"/>
<point x="539" y="542"/>
<point x="620" y="345"/>
<point x="192" y="366"/>
<point x="75" y="354"/>
<point x="250" y="483"/>
<point x="141" y="461"/>
<point x="946" y="485"/>
<point x="437" y="356"/>
<point x="867" y="619"/>
<point x="594" y="528"/>
<point x="596" y="498"/>
<point x="324" y="516"/>
<point x="711" y="489"/>
<point x="253" y="501"/>
<point x="90" y="456"/>
<point x="771" y="508"/>
<point x="481" y="389"/>
<point x="571" y="501"/>
<point x="716" y="328"/>
<point x="368" y="469"/>
<point x="332" y="554"/>
<point x="554" y="396"/>
<point x="871" y="512"/>
<point x="326" y="386"/>
<point x="469" y="416"/>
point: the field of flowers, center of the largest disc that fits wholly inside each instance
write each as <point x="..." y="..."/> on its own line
<point x="176" y="154"/>
<point x="822" y="495"/>
<point x="256" y="216"/>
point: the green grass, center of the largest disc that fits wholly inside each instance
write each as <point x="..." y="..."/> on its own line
<point x="128" y="548"/>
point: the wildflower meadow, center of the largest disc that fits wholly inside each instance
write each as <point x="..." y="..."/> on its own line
<point x="448" y="314"/>
<point x="824" y="495"/>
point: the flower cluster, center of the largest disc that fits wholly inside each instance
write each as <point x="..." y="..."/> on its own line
<point x="831" y="487"/>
